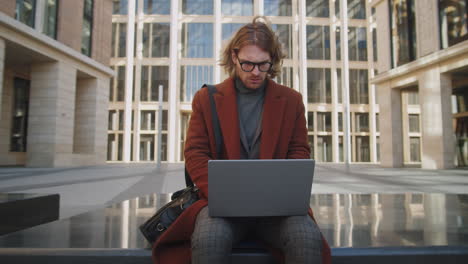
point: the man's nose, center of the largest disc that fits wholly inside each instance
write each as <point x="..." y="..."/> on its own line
<point x="255" y="70"/>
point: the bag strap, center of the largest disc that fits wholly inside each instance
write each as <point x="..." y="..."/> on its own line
<point x="216" y="128"/>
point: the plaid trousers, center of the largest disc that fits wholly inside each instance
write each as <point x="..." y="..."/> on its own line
<point x="297" y="236"/>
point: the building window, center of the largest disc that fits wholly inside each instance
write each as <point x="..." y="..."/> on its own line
<point x="377" y="148"/>
<point x="192" y="79"/>
<point x="362" y="122"/>
<point x="19" y="126"/>
<point x="413" y="97"/>
<point x="318" y="85"/>
<point x="453" y="22"/>
<point x="403" y="31"/>
<point x="362" y="149"/>
<point x="324" y="148"/>
<point x="324" y="123"/>
<point x="120" y="83"/>
<point x="317" y="8"/>
<point x="50" y="18"/>
<point x="357" y="46"/>
<point x="357" y="43"/>
<point x="119" y="40"/>
<point x="284" y="36"/>
<point x="318" y="42"/>
<point x="228" y="29"/>
<point x="277" y="7"/>
<point x="311" y="146"/>
<point x="157" y="7"/>
<point x="310" y="121"/>
<point x="87" y="30"/>
<point x="197" y="40"/>
<point x="184" y="122"/>
<point x="340" y="121"/>
<point x="151" y="78"/>
<point x="358" y="86"/>
<point x="237" y="7"/>
<point x="26" y="11"/>
<point x="120" y="7"/>
<point x="156" y="40"/>
<point x="413" y="123"/>
<point x="356" y="9"/>
<point x="285" y="77"/>
<point x="415" y="149"/>
<point x="197" y="7"/>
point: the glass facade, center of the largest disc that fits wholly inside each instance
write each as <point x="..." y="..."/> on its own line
<point x="25" y="11"/>
<point x="453" y="22"/>
<point x="237" y="7"/>
<point x="196" y="63"/>
<point x="50" y="18"/>
<point x="156" y="7"/>
<point x="19" y="126"/>
<point x="87" y="29"/>
<point x="197" y="40"/>
<point x="403" y="31"/>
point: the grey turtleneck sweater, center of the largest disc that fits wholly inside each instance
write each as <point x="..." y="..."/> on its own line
<point x="250" y="109"/>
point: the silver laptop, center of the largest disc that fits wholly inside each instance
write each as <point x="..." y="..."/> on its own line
<point x="244" y="188"/>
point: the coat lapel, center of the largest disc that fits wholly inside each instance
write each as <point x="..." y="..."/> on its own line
<point x="226" y="105"/>
<point x="273" y="112"/>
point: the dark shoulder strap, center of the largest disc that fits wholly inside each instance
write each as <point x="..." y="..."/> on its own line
<point x="216" y="127"/>
<point x="214" y="117"/>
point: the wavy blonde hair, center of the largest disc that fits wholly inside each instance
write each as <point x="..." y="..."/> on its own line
<point x="258" y="33"/>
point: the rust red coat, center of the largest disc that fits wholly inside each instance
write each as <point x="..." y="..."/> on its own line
<point x="284" y="136"/>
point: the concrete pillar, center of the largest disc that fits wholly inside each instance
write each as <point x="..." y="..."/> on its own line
<point x="427" y="27"/>
<point x="2" y="70"/>
<point x="438" y="142"/>
<point x="91" y="119"/>
<point x="173" y="113"/>
<point x="391" y="134"/>
<point x="382" y="16"/>
<point x="51" y="114"/>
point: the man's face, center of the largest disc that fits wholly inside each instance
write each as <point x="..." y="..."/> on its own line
<point x="247" y="55"/>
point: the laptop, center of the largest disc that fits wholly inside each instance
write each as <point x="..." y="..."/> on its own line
<point x="257" y="188"/>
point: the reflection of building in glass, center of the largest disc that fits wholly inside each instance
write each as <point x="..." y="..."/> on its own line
<point x="54" y="80"/>
<point x="377" y="220"/>
<point x="422" y="82"/>
<point x="176" y="44"/>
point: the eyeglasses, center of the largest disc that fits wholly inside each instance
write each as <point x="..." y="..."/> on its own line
<point x="249" y="66"/>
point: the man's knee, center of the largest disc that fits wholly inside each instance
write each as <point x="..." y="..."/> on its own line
<point x="211" y="234"/>
<point x="301" y="232"/>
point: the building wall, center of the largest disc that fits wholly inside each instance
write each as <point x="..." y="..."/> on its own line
<point x="8" y="7"/>
<point x="430" y="78"/>
<point x="70" y="21"/>
<point x="102" y="31"/>
<point x="67" y="120"/>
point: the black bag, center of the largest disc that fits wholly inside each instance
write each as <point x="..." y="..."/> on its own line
<point x="154" y="227"/>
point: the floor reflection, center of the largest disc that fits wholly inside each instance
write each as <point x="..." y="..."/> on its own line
<point x="347" y="220"/>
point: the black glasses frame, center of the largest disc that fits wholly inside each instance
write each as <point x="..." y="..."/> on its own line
<point x="258" y="64"/>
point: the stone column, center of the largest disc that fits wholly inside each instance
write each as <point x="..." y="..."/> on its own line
<point x="438" y="150"/>
<point x="91" y="120"/>
<point x="427" y="27"/>
<point x="51" y="114"/>
<point x="391" y="134"/>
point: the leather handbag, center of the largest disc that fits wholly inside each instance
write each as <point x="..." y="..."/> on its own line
<point x="155" y="226"/>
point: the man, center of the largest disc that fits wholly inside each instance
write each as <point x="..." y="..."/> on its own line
<point x="259" y="119"/>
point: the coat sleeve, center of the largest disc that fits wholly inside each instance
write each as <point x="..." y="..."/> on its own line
<point x="197" y="146"/>
<point x="298" y="147"/>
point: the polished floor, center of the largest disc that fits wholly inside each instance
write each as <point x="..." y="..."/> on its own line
<point x="346" y="220"/>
